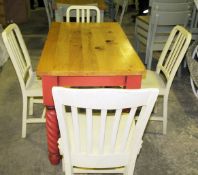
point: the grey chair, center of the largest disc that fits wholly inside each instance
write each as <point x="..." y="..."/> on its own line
<point x="49" y="11"/>
<point x="193" y="26"/>
<point x="124" y="5"/>
<point x="152" y="31"/>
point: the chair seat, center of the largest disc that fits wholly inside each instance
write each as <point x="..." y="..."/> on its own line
<point x="154" y="80"/>
<point x="144" y="19"/>
<point x="34" y="87"/>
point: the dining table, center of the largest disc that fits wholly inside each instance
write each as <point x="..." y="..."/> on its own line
<point x="62" y="5"/>
<point x="85" y="55"/>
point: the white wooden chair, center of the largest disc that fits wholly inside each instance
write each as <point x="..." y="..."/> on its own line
<point x="103" y="139"/>
<point x="49" y="11"/>
<point x="192" y="60"/>
<point x="31" y="87"/>
<point x="152" y="31"/>
<point x="169" y="61"/>
<point x="83" y="13"/>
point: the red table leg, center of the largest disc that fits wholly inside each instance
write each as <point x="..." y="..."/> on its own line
<point x="51" y="119"/>
<point x="52" y="136"/>
<point x="133" y="82"/>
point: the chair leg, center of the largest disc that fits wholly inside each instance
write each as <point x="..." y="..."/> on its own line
<point x="165" y="112"/>
<point x="136" y="41"/>
<point x="31" y="103"/>
<point x="24" y="117"/>
<point x="116" y="10"/>
<point x="155" y="109"/>
<point x="43" y="114"/>
<point x="149" y="58"/>
<point x="194" y="88"/>
<point x="123" y="11"/>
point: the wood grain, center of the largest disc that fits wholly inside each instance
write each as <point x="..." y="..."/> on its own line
<point x="88" y="49"/>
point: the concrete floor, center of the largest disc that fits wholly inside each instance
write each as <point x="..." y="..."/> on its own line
<point x="173" y="154"/>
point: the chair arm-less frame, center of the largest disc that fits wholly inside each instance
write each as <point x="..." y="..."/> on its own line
<point x="97" y="134"/>
<point x="168" y="64"/>
<point x="31" y="87"/>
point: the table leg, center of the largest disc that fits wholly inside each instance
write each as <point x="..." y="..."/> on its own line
<point x="133" y="82"/>
<point x="52" y="135"/>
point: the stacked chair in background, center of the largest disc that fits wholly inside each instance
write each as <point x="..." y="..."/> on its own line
<point x="152" y="31"/>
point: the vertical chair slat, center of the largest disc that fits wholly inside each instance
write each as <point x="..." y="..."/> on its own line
<point x="78" y="15"/>
<point x="172" y="53"/>
<point x="83" y="15"/>
<point x="76" y="128"/>
<point x="115" y="129"/>
<point x="178" y="47"/>
<point x="128" y="125"/>
<point x="89" y="118"/>
<point x="102" y="130"/>
<point x="18" y="55"/>
<point x="88" y="15"/>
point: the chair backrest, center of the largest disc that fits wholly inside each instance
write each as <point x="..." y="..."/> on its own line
<point x="83" y="13"/>
<point x="103" y="137"/>
<point x="173" y="53"/>
<point x="164" y="16"/>
<point x="49" y="11"/>
<point x="18" y="53"/>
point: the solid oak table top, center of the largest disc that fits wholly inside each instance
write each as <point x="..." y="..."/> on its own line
<point x="88" y="49"/>
<point x="101" y="3"/>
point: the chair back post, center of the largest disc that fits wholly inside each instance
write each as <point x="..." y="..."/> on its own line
<point x="19" y="55"/>
<point x="104" y="136"/>
<point x="173" y="53"/>
<point x="83" y="13"/>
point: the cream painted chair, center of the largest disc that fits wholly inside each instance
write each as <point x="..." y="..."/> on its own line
<point x="152" y="31"/>
<point x="169" y="61"/>
<point x="192" y="60"/>
<point x="103" y="138"/>
<point x="49" y="11"/>
<point x="31" y="87"/>
<point x="83" y="13"/>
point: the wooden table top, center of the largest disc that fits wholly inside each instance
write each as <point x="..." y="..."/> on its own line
<point x="101" y="3"/>
<point x="88" y="49"/>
